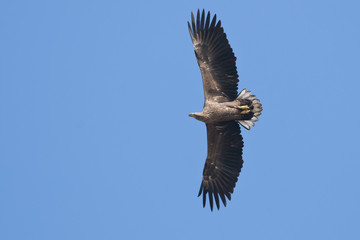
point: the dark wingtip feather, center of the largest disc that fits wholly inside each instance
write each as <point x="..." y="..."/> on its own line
<point x="202" y="19"/>
<point x="201" y="188"/>
<point x="217" y="200"/>
<point x="207" y="20"/>
<point x="218" y="25"/>
<point x="228" y="195"/>
<point x="193" y="23"/>
<point x="198" y="21"/>
<point x="204" y="198"/>
<point x="218" y="190"/>
<point x="190" y="31"/>
<point x="211" y="201"/>
<point x="223" y="199"/>
<point x="213" y="22"/>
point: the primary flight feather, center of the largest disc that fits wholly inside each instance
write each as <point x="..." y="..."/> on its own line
<point x="223" y="109"/>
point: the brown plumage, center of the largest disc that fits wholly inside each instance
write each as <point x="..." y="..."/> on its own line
<point x="223" y="108"/>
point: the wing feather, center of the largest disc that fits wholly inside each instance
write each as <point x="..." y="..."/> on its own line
<point x="215" y="58"/>
<point x="224" y="162"/>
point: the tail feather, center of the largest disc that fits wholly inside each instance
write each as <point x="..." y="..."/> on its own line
<point x="255" y="108"/>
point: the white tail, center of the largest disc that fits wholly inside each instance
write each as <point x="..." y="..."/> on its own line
<point x="255" y="108"/>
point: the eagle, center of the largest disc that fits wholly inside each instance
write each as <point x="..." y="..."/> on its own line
<point x="224" y="109"/>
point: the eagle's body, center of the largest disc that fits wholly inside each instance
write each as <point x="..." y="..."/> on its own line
<point x="223" y="110"/>
<point x="219" y="112"/>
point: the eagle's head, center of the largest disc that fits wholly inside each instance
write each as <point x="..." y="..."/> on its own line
<point x="198" y="115"/>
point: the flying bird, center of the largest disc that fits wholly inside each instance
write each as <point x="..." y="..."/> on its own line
<point x="224" y="109"/>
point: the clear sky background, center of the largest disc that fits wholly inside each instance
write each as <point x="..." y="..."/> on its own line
<point x="96" y="142"/>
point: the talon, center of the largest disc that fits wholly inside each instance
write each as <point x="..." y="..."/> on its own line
<point x="244" y="107"/>
<point x="245" y="112"/>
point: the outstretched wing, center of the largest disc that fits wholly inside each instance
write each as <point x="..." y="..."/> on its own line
<point x="215" y="58"/>
<point x="224" y="161"/>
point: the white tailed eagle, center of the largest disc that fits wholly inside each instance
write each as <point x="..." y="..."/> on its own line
<point x="223" y="109"/>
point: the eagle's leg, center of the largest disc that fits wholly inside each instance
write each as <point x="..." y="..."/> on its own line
<point x="245" y="108"/>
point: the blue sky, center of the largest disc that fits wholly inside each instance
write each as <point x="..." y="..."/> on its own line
<point x="96" y="142"/>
